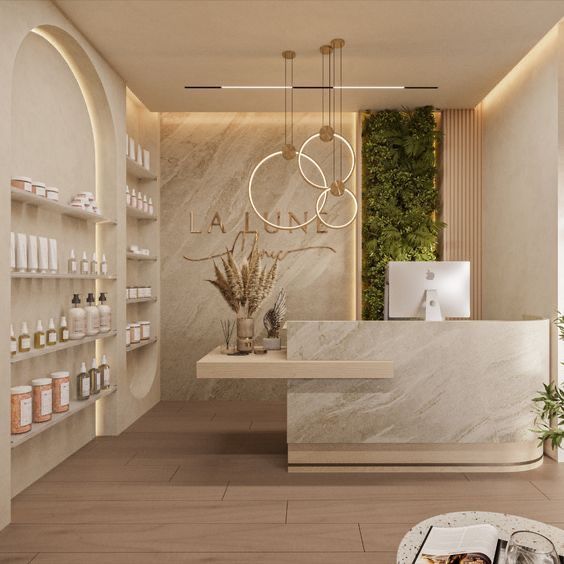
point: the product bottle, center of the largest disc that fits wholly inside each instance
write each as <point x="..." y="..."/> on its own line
<point x="83" y="383"/>
<point x="73" y="264"/>
<point x="139" y="201"/>
<point x="105" y="373"/>
<point x="105" y="314"/>
<point x="94" y="264"/>
<point x="127" y="195"/>
<point x="63" y="330"/>
<point x="104" y="266"/>
<point x="84" y="266"/>
<point x="51" y="333"/>
<point x="95" y="380"/>
<point x="77" y="319"/>
<point x="13" y="341"/>
<point x="24" y="340"/>
<point x="145" y="204"/>
<point x="133" y="198"/>
<point x="92" y="316"/>
<point x="39" y="336"/>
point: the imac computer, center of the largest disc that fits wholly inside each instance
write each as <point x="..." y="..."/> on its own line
<point x="427" y="290"/>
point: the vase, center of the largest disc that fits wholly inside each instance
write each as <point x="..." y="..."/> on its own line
<point x="245" y="334"/>
<point x="271" y="343"/>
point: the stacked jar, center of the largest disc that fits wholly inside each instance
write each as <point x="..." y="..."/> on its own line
<point x="61" y="391"/>
<point x="42" y="400"/>
<point x="20" y="409"/>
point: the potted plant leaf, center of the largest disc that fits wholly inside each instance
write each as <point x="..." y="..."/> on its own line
<point x="273" y="321"/>
<point x="549" y="405"/>
<point x="244" y="288"/>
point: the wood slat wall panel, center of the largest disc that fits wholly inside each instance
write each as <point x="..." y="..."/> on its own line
<point x="462" y="194"/>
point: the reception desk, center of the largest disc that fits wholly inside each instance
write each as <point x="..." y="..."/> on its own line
<point x="457" y="396"/>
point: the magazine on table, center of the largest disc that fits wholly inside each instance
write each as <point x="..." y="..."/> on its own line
<point x="475" y="544"/>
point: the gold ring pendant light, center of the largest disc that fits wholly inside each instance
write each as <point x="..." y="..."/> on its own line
<point x="326" y="134"/>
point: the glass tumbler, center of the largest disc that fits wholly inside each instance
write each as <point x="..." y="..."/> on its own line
<point x="527" y="547"/>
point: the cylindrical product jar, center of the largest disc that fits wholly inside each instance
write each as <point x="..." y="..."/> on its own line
<point x="61" y="391"/>
<point x="133" y="293"/>
<point x="141" y="292"/>
<point x="52" y="193"/>
<point x="42" y="399"/>
<point x="135" y="333"/>
<point x="128" y="335"/>
<point x="148" y="291"/>
<point x="21" y="409"/>
<point x="39" y="188"/>
<point x="22" y="182"/>
<point x="145" y="327"/>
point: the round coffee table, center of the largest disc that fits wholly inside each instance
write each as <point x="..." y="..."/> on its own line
<point x="505" y="524"/>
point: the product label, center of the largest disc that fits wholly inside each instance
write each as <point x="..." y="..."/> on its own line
<point x="104" y="269"/>
<point x="105" y="321"/>
<point x="73" y="266"/>
<point x="86" y="386"/>
<point x="106" y="377"/>
<point x="65" y="393"/>
<point x="13" y="346"/>
<point x="52" y="338"/>
<point x="26" y="343"/>
<point x="25" y="412"/>
<point x="65" y="334"/>
<point x="46" y="402"/>
<point x="41" y="340"/>
<point x="98" y="384"/>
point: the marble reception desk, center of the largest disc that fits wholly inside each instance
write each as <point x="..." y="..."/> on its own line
<point x="439" y="396"/>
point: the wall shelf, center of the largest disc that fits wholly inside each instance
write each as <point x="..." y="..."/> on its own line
<point x="140" y="214"/>
<point x="142" y="344"/>
<point x="60" y="276"/>
<point x="75" y="407"/>
<point x="141" y="300"/>
<point x="19" y="357"/>
<point x="139" y="171"/>
<point x="20" y="195"/>
<point x="146" y="258"/>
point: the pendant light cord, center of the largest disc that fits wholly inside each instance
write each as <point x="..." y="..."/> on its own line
<point x="341" y="111"/>
<point x="292" y="102"/>
<point x="285" y="101"/>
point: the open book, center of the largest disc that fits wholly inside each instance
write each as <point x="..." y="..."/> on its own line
<point x="475" y="544"/>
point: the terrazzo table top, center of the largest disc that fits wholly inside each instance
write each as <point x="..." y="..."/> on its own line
<point x="505" y="524"/>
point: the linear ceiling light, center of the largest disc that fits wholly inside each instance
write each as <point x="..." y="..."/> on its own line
<point x="296" y="87"/>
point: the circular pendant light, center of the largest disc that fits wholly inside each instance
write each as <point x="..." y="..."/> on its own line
<point x="301" y="154"/>
<point x="283" y="227"/>
<point x="321" y="202"/>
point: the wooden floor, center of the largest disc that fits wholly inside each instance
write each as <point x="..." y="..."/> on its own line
<point x="206" y="482"/>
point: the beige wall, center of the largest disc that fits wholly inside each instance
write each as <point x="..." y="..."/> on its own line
<point x="206" y="162"/>
<point x="520" y="177"/>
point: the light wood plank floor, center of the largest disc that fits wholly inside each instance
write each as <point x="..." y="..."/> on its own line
<point x="206" y="482"/>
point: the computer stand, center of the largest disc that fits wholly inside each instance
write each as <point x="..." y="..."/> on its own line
<point x="432" y="306"/>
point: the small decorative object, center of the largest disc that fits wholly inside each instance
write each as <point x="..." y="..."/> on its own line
<point x="227" y="327"/>
<point x="530" y="547"/>
<point x="273" y="322"/>
<point x="260" y="350"/>
<point x="244" y="289"/>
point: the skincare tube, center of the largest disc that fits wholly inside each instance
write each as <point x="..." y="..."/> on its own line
<point x="32" y="263"/>
<point x="21" y="252"/>
<point x="43" y="255"/>
<point x="53" y="258"/>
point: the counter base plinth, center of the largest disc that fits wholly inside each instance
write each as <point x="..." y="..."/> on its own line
<point x="459" y="457"/>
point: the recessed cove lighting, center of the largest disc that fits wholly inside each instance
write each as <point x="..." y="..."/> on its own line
<point x="297" y="87"/>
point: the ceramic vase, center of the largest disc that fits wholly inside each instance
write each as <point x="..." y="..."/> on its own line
<point x="245" y="334"/>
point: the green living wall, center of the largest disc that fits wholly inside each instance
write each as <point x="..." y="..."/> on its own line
<point x="400" y="197"/>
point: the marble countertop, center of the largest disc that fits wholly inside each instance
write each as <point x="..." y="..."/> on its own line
<point x="504" y="523"/>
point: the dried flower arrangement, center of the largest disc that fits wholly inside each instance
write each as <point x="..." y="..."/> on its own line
<point x="276" y="316"/>
<point x="244" y="288"/>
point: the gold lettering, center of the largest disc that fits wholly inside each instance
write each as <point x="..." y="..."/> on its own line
<point x="269" y="228"/>
<point x="216" y="222"/>
<point x="320" y="227"/>
<point x="292" y="217"/>
<point x="192" y="230"/>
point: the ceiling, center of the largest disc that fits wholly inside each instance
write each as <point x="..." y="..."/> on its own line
<point x="462" y="46"/>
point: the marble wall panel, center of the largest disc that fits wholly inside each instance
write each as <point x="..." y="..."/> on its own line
<point x="206" y="161"/>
